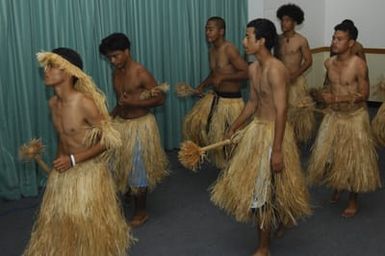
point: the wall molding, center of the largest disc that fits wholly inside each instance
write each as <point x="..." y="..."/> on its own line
<point x="367" y="50"/>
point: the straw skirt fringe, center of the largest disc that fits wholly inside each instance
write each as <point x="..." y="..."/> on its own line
<point x="80" y="215"/>
<point x="378" y="125"/>
<point x="343" y="156"/>
<point x="223" y="116"/>
<point x="194" y="124"/>
<point x="145" y="131"/>
<point x="302" y="119"/>
<point x="286" y="195"/>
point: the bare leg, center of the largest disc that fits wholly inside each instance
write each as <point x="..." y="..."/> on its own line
<point x="335" y="197"/>
<point x="264" y="243"/>
<point x="140" y="213"/>
<point x="352" y="208"/>
<point x="281" y="230"/>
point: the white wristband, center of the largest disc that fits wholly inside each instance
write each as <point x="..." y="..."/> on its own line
<point x="73" y="162"/>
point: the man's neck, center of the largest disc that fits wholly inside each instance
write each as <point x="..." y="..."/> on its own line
<point x="64" y="92"/>
<point x="218" y="43"/>
<point x="344" y="56"/>
<point x="126" y="66"/>
<point x="263" y="56"/>
<point x="288" y="34"/>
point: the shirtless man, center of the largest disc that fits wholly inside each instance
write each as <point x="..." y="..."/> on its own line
<point x="357" y="49"/>
<point x="265" y="167"/>
<point x="142" y="162"/>
<point x="80" y="190"/>
<point x="211" y="116"/>
<point x="344" y="156"/>
<point x="295" y="54"/>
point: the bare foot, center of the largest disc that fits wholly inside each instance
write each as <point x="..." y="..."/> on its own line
<point x="335" y="197"/>
<point x="351" y="210"/>
<point x="262" y="252"/>
<point x="139" y="219"/>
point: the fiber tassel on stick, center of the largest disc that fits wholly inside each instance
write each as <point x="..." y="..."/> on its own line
<point x="184" y="90"/>
<point x="164" y="87"/>
<point x="191" y="155"/>
<point x="33" y="150"/>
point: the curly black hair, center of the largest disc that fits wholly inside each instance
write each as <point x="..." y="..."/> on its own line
<point x="291" y="10"/>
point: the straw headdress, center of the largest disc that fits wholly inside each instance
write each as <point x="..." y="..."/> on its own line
<point x="84" y="82"/>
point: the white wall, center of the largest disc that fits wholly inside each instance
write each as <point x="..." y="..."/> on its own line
<point x="322" y="15"/>
<point x="256" y="9"/>
<point x="367" y="15"/>
<point x="313" y="26"/>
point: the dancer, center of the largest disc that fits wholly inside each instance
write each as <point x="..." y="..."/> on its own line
<point x="343" y="156"/>
<point x="295" y="54"/>
<point x="264" y="181"/>
<point x="209" y="119"/>
<point x="141" y="163"/>
<point x="80" y="213"/>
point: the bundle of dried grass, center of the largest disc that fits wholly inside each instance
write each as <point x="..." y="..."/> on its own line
<point x="248" y="182"/>
<point x="378" y="125"/>
<point x="195" y="122"/>
<point x="305" y="102"/>
<point x="143" y="130"/>
<point x="191" y="155"/>
<point x="379" y="89"/>
<point x="163" y="87"/>
<point x="32" y="151"/>
<point x="343" y="156"/>
<point x="184" y="90"/>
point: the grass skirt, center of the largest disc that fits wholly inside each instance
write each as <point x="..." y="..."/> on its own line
<point x="283" y="197"/>
<point x="80" y="215"/>
<point x="145" y="130"/>
<point x="302" y="119"/>
<point x="344" y="156"/>
<point x="378" y="125"/>
<point x="194" y="124"/>
<point x="223" y="116"/>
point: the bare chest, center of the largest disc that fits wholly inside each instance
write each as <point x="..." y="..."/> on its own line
<point x="68" y="120"/>
<point x="125" y="83"/>
<point x="289" y="48"/>
<point x="341" y="75"/>
<point x="219" y="60"/>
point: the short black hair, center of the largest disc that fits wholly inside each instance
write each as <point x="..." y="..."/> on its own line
<point x="266" y="29"/>
<point x="219" y="21"/>
<point x="291" y="10"/>
<point x="114" y="42"/>
<point x="70" y="55"/>
<point x="349" y="27"/>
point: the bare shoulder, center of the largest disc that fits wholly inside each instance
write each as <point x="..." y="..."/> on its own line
<point x="229" y="46"/>
<point x="144" y="77"/>
<point x="88" y="105"/>
<point x="277" y="70"/>
<point x="141" y="70"/>
<point x="231" y="50"/>
<point x="359" y="62"/>
<point x="277" y="66"/>
<point x="302" y="39"/>
<point x="329" y="61"/>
